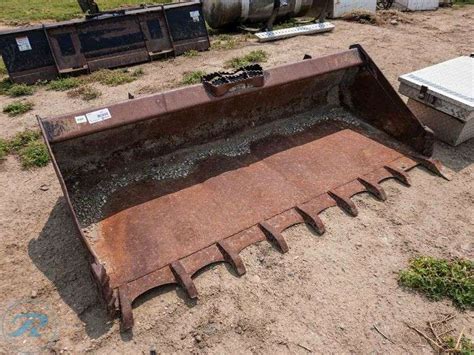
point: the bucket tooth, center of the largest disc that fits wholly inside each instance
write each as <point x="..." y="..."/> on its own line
<point x="232" y="257"/>
<point x="126" y="310"/>
<point x="344" y="203"/>
<point x="435" y="167"/>
<point x="312" y="219"/>
<point x="184" y="279"/>
<point x="275" y="236"/>
<point x="399" y="174"/>
<point x="374" y="188"/>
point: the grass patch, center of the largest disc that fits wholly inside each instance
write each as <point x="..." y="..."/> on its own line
<point x="64" y="84"/>
<point x="5" y="85"/>
<point x="116" y="77"/>
<point x="36" y="10"/>
<point x="286" y="24"/>
<point x="18" y="108"/>
<point x="17" y="90"/>
<point x="86" y="93"/>
<point x="193" y="77"/>
<point x="29" y="147"/>
<point x="34" y="154"/>
<point x="465" y="345"/>
<point x="3" y="148"/>
<point x="257" y="56"/>
<point x="224" y="41"/>
<point x="191" y="53"/>
<point x="3" y="69"/>
<point x="21" y="139"/>
<point x="439" y="278"/>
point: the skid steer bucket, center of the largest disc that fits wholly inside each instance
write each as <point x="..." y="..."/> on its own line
<point x="164" y="185"/>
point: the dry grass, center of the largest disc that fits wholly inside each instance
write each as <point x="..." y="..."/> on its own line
<point x="86" y="93"/>
<point x="116" y="77"/>
<point x="363" y="17"/>
<point x="224" y="41"/>
<point x="257" y="56"/>
<point x="380" y="18"/>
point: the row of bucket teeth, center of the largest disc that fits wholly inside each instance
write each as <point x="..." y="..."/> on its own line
<point x="228" y="250"/>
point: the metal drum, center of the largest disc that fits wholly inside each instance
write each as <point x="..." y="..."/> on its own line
<point x="224" y="13"/>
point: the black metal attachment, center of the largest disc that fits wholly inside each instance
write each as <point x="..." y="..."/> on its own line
<point x="220" y="83"/>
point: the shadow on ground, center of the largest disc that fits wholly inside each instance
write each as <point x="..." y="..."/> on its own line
<point x="60" y="255"/>
<point x="455" y="158"/>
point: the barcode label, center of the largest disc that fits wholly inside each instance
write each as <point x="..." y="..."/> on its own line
<point x="98" y="116"/>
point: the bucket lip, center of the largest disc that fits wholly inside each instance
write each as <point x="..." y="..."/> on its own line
<point x="72" y="125"/>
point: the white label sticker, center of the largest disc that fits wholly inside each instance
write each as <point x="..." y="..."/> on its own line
<point x="81" y="119"/>
<point x="23" y="44"/>
<point x="98" y="116"/>
<point x="194" y="15"/>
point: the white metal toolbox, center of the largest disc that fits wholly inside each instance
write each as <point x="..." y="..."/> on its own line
<point x="340" y="8"/>
<point x="442" y="97"/>
<point x="418" y="5"/>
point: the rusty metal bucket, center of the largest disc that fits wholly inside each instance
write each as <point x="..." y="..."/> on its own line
<point x="165" y="185"/>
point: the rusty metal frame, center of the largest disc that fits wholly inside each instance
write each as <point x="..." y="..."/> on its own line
<point x="402" y="125"/>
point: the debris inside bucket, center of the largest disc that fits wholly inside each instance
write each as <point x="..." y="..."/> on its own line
<point x="91" y="201"/>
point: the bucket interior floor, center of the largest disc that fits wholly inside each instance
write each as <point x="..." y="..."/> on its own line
<point x="203" y="199"/>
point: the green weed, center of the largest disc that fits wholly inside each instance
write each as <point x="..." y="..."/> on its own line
<point x="224" y="41"/>
<point x="34" y="154"/>
<point x="64" y="84"/>
<point x="466" y="346"/>
<point x="17" y="90"/>
<point x="29" y="148"/>
<point x="116" y="77"/>
<point x="3" y="148"/>
<point x="5" y="85"/>
<point x="257" y="56"/>
<point x="3" y="69"/>
<point x="438" y="278"/>
<point x="286" y="24"/>
<point x="137" y="72"/>
<point x="21" y="139"/>
<point x="193" y="77"/>
<point x="191" y="53"/>
<point x="17" y="108"/>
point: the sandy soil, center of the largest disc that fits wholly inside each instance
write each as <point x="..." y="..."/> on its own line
<point x="325" y="295"/>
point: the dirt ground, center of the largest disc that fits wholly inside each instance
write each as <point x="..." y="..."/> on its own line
<point x="324" y="296"/>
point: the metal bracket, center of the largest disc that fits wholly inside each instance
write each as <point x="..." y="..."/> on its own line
<point x="220" y="83"/>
